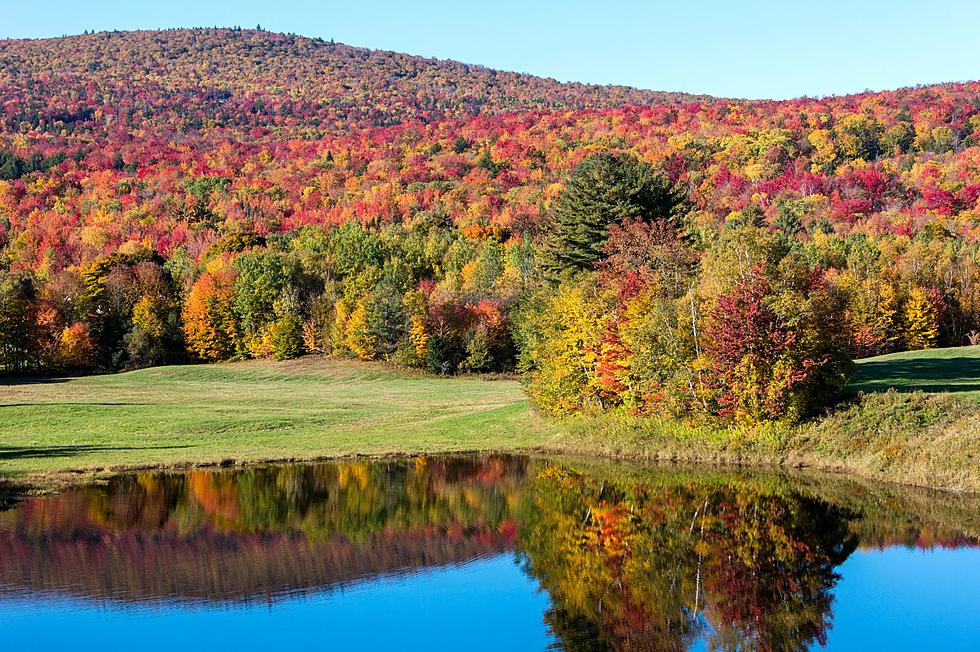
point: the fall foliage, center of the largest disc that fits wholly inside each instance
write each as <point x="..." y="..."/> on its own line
<point x="210" y="194"/>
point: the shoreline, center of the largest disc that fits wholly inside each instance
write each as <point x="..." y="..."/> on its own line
<point x="53" y="482"/>
<point x="71" y="431"/>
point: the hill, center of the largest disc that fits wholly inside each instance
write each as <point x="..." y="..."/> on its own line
<point x="185" y="79"/>
<point x="203" y="195"/>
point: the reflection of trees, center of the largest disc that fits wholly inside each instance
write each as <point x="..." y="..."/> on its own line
<point x="255" y="533"/>
<point x="650" y="567"/>
<point x="632" y="559"/>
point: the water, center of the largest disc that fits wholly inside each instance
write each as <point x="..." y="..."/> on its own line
<point x="490" y="552"/>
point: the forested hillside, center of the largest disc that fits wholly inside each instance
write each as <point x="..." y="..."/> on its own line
<point x="255" y="82"/>
<point x="214" y="194"/>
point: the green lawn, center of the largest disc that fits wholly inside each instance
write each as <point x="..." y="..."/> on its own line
<point x="252" y="411"/>
<point x="955" y="370"/>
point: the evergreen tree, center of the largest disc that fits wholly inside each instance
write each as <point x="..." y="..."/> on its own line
<point x="603" y="190"/>
<point x="11" y="167"/>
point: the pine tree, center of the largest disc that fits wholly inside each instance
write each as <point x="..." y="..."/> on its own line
<point x="603" y="190"/>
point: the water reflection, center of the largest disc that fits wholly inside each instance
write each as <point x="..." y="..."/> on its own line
<point x="630" y="559"/>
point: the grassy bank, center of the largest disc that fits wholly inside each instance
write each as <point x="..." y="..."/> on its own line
<point x="909" y="417"/>
<point x="925" y="431"/>
<point x="910" y="438"/>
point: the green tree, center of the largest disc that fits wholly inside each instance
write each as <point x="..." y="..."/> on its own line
<point x="262" y="277"/>
<point x="286" y="337"/>
<point x="603" y="190"/>
<point x="16" y="293"/>
<point x="11" y="167"/>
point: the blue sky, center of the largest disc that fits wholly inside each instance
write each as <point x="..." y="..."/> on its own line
<point x="736" y="49"/>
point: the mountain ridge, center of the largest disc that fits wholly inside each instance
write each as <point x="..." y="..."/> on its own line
<point x="332" y="83"/>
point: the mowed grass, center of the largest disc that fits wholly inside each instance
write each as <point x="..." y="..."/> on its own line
<point x="954" y="370"/>
<point x="252" y="411"/>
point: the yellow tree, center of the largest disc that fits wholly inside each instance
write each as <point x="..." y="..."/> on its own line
<point x="921" y="328"/>
<point x="570" y="332"/>
<point x="360" y="339"/>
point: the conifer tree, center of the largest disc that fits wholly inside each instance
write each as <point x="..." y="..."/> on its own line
<point x="604" y="189"/>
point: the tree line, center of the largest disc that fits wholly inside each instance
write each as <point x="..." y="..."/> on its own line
<point x="624" y="301"/>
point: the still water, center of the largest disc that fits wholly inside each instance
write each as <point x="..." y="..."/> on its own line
<point x="492" y="552"/>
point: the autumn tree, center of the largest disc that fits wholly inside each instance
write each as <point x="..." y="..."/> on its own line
<point x="768" y="353"/>
<point x="209" y="320"/>
<point x="76" y="349"/>
<point x="562" y="334"/>
<point x="919" y="317"/>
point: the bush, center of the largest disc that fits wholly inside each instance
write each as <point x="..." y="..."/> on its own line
<point x="286" y="338"/>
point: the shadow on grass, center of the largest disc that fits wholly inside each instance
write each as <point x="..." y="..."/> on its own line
<point x="961" y="374"/>
<point x="31" y="380"/>
<point x="71" y="404"/>
<point x="31" y="452"/>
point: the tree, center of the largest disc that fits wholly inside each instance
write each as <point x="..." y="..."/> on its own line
<point x="361" y="339"/>
<point x="76" y="350"/>
<point x="603" y="190"/>
<point x="921" y="329"/>
<point x="209" y="322"/>
<point x="653" y="252"/>
<point x="145" y="344"/>
<point x="859" y="137"/>
<point x="385" y="319"/>
<point x="286" y="337"/>
<point x="564" y="333"/>
<point x="11" y="167"/>
<point x="768" y="350"/>
<point x="261" y="281"/>
<point x="870" y="316"/>
<point x="17" y="350"/>
<point x="414" y="306"/>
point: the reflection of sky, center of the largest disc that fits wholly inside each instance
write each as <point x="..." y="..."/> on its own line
<point x="897" y="599"/>
<point x="901" y="599"/>
<point x="488" y="604"/>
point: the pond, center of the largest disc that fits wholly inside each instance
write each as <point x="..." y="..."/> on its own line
<point x="490" y="552"/>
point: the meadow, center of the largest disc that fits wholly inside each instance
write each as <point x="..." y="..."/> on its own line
<point x="250" y="411"/>
<point x="954" y="370"/>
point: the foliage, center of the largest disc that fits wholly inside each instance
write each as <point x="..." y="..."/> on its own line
<point x="177" y="199"/>
<point x="921" y="331"/>
<point x="768" y="352"/>
<point x="75" y="349"/>
<point x="210" y="324"/>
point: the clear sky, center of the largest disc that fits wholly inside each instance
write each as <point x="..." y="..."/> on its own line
<point x="735" y="48"/>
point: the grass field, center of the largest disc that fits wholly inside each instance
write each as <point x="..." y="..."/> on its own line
<point x="955" y="370"/>
<point x="926" y="433"/>
<point x="252" y="411"/>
